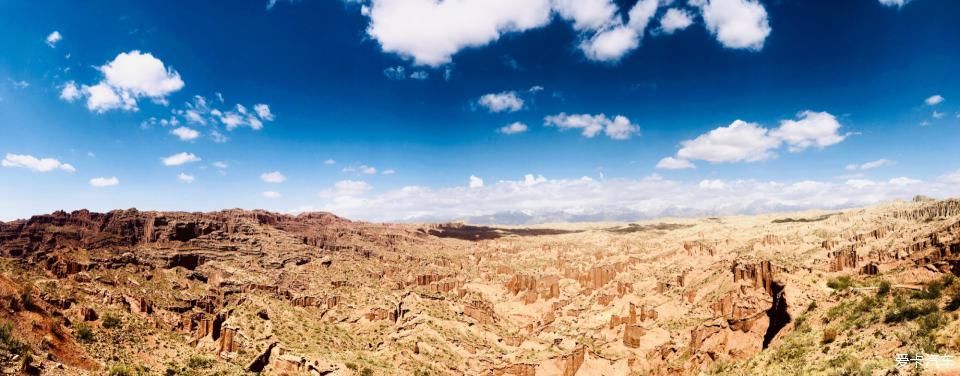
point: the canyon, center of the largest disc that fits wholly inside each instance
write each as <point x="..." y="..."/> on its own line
<point x="255" y="292"/>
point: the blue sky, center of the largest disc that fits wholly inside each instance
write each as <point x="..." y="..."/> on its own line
<point x="619" y="109"/>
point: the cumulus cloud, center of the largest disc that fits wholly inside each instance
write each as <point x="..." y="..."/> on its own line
<point x="671" y="163"/>
<point x="543" y="199"/>
<point x="35" y="164"/>
<point x="347" y="188"/>
<point x="388" y="172"/>
<point x="70" y="92"/>
<point x="431" y="32"/>
<point x="104" y="182"/>
<point x="812" y="129"/>
<point x="739" y="142"/>
<point x="513" y="128"/>
<point x="507" y="101"/>
<point x="419" y="75"/>
<point x="263" y="111"/>
<point x="617" y="39"/>
<point x="180" y="159"/>
<point x="738" y="24"/>
<point x="475" y="182"/>
<point x="618" y="128"/>
<point x="749" y="142"/>
<point x="184" y="177"/>
<point x="53" y="38"/>
<point x="274" y="177"/>
<point x="586" y="14"/>
<point x="221" y="165"/>
<point x="674" y="20"/>
<point x="934" y="100"/>
<point x="185" y="134"/>
<point x="395" y="73"/>
<point x="270" y="194"/>
<point x="870" y="165"/>
<point x="129" y="77"/>
<point x="329" y="162"/>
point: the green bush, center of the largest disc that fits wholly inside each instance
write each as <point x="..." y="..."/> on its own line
<point x="84" y="333"/>
<point x="120" y="370"/>
<point x="909" y="312"/>
<point x="111" y="321"/>
<point x="840" y="283"/>
<point x="954" y="302"/>
<point x="10" y="343"/>
<point x="829" y="335"/>
<point x="883" y="289"/>
<point x="366" y="372"/>
<point x="932" y="290"/>
<point x="200" y="362"/>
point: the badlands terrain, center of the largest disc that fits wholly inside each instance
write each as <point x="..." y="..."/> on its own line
<point x="245" y="292"/>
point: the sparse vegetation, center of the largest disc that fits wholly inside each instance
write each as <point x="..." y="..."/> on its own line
<point x="8" y="342"/>
<point x="829" y="335"/>
<point x="840" y="283"/>
<point x="883" y="289"/>
<point x="83" y="333"/>
<point x="111" y="321"/>
<point x="200" y="362"/>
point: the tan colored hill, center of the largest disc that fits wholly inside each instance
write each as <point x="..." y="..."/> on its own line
<point x="237" y="292"/>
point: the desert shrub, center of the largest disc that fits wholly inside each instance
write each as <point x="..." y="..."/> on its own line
<point x="120" y="370"/>
<point x="421" y="372"/>
<point x="812" y="306"/>
<point x="829" y="335"/>
<point x="8" y="342"/>
<point x="840" y="283"/>
<point x="83" y="333"/>
<point x="198" y="362"/>
<point x="909" y="312"/>
<point x="351" y="366"/>
<point x="932" y="290"/>
<point x="111" y="321"/>
<point x="366" y="372"/>
<point x="954" y="302"/>
<point x="883" y="289"/>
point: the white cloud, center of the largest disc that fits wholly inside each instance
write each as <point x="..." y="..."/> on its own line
<point x="218" y="137"/>
<point x="185" y="134"/>
<point x="104" y="182"/>
<point x="388" y="172"/>
<point x="586" y="14"/>
<point x="180" y="158"/>
<point x="221" y="165"/>
<point x="934" y="100"/>
<point x="263" y="111"/>
<point x="813" y="129"/>
<point x="671" y="163"/>
<point x="870" y="165"/>
<point x="347" y="188"/>
<point x="507" y="101"/>
<point x="53" y="38"/>
<point x="618" y="128"/>
<point x="186" y="178"/>
<point x="395" y="73"/>
<point x="475" y="182"/>
<point x="273" y="177"/>
<point x="938" y="115"/>
<point x="739" y="24"/>
<point x="36" y="164"/>
<point x="712" y="184"/>
<point x="70" y="92"/>
<point x="419" y="75"/>
<point x="675" y="19"/>
<point x="513" y="128"/>
<point x="270" y="194"/>
<point x="20" y="84"/>
<point x="129" y="77"/>
<point x="623" y="199"/>
<point x="952" y="178"/>
<point x="738" y="142"/>
<point x="894" y="3"/>
<point x="749" y="142"/>
<point x="361" y="169"/>
<point x="329" y="162"/>
<point x="903" y="181"/>
<point x="431" y="32"/>
<point x="617" y="39"/>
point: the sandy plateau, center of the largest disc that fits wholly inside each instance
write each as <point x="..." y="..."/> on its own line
<point x="244" y="292"/>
